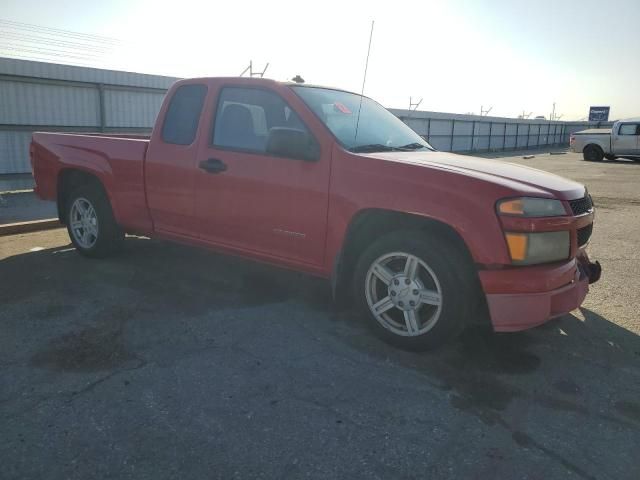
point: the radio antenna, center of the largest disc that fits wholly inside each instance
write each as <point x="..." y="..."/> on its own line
<point x="364" y="79"/>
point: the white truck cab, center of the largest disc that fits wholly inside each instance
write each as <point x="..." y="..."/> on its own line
<point x="621" y="140"/>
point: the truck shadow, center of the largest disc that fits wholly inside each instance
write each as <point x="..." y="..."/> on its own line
<point x="624" y="160"/>
<point x="82" y="310"/>
<point x="562" y="367"/>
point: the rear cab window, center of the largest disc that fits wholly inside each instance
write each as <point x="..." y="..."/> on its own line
<point x="629" y="129"/>
<point x="183" y="115"/>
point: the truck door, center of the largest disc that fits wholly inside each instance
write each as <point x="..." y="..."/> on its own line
<point x="170" y="162"/>
<point x="626" y="139"/>
<point x="253" y="200"/>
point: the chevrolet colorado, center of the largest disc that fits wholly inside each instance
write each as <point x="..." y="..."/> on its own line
<point x="330" y="183"/>
<point x="621" y="140"/>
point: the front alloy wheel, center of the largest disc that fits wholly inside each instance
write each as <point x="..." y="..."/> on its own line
<point x="403" y="294"/>
<point x="418" y="290"/>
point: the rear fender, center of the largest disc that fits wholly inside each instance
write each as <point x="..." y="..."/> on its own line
<point x="90" y="162"/>
<point x="601" y="144"/>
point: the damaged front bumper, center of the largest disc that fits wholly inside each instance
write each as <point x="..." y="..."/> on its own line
<point x="541" y="293"/>
<point x="593" y="271"/>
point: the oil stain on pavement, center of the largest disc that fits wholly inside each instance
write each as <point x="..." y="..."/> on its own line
<point x="97" y="348"/>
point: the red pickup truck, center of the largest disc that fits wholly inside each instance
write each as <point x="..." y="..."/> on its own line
<point x="328" y="182"/>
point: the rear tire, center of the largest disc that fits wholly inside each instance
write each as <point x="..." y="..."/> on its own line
<point x="90" y="222"/>
<point x="593" y="153"/>
<point x="418" y="311"/>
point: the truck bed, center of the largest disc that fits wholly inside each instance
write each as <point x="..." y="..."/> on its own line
<point x="594" y="131"/>
<point x="117" y="160"/>
<point x="134" y="136"/>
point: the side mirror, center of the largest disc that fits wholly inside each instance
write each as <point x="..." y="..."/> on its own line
<point x="292" y="143"/>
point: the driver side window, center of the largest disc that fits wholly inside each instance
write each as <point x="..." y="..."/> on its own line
<point x="245" y="116"/>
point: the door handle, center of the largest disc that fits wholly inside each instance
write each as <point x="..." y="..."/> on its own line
<point x="213" y="165"/>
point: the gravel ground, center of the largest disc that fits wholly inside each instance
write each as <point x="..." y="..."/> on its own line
<point x="171" y="362"/>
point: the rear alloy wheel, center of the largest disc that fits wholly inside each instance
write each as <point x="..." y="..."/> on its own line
<point x="593" y="153"/>
<point x="417" y="290"/>
<point x="91" y="224"/>
<point x="83" y="223"/>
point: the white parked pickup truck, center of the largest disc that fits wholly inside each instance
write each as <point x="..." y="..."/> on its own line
<point x="621" y="140"/>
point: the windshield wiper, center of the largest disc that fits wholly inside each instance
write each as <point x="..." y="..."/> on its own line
<point x="412" y="146"/>
<point x="379" y="147"/>
<point x="375" y="147"/>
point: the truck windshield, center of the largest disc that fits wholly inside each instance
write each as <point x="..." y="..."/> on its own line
<point x="378" y="130"/>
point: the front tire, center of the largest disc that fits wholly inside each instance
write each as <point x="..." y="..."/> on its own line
<point x="418" y="291"/>
<point x="90" y="222"/>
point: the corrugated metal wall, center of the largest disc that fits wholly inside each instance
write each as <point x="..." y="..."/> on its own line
<point x="44" y="96"/>
<point x="14" y="152"/>
<point x="469" y="133"/>
<point x="125" y="108"/>
<point x="41" y="104"/>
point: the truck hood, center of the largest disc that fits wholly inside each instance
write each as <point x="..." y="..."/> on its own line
<point x="525" y="180"/>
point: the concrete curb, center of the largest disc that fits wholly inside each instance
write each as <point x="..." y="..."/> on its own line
<point x="25" y="227"/>
<point x="11" y="192"/>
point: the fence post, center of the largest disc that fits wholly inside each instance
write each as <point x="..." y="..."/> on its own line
<point x="101" y="111"/>
<point x="504" y="137"/>
<point x="429" y="130"/>
<point x="453" y="129"/>
<point x="517" y="135"/>
<point x="528" y="133"/>
<point x="490" y="132"/>
<point x="473" y="134"/>
<point x="538" y="144"/>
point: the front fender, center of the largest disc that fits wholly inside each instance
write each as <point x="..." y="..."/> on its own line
<point x="465" y="204"/>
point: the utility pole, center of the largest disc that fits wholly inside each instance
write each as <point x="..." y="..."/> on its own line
<point x="554" y="116"/>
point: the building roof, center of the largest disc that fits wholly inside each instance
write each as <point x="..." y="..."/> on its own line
<point x="55" y="71"/>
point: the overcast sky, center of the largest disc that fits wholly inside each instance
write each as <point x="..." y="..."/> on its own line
<point x="509" y="54"/>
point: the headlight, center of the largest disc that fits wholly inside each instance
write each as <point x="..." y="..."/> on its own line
<point x="532" y="248"/>
<point x="531" y="207"/>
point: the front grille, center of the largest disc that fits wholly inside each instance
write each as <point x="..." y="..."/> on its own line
<point x="581" y="205"/>
<point x="584" y="234"/>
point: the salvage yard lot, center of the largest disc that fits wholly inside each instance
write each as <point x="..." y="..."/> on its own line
<point x="172" y="362"/>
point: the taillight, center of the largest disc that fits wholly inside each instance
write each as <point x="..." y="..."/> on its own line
<point x="572" y="140"/>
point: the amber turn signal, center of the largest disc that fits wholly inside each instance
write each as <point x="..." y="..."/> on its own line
<point x="531" y="207"/>
<point x="517" y="243"/>
<point x="512" y="207"/>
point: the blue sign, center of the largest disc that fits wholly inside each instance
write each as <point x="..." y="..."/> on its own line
<point x="599" y="114"/>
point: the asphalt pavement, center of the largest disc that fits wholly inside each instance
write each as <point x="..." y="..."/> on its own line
<point x="25" y="206"/>
<point x="172" y="362"/>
